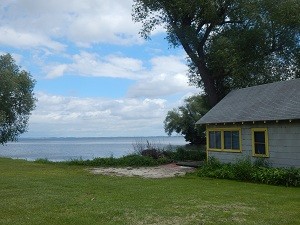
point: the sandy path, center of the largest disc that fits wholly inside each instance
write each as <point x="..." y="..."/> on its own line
<point x="164" y="171"/>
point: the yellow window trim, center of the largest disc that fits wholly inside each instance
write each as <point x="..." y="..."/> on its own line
<point x="222" y="149"/>
<point x="265" y="130"/>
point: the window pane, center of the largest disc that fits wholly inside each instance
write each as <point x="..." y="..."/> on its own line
<point x="212" y="139"/>
<point x="227" y="139"/>
<point x="259" y="136"/>
<point x="260" y="149"/>
<point x="218" y="139"/>
<point x="235" y="140"/>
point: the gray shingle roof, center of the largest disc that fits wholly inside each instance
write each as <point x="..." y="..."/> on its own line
<point x="274" y="101"/>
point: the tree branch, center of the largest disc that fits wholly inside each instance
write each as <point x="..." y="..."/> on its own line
<point x="200" y="26"/>
<point x="205" y="36"/>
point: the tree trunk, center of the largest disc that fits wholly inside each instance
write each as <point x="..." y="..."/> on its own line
<point x="209" y="85"/>
<point x="198" y="58"/>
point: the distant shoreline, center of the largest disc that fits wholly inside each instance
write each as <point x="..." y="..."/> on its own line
<point x="143" y="137"/>
<point x="66" y="148"/>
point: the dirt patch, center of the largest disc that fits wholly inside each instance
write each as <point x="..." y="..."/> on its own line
<point x="164" y="171"/>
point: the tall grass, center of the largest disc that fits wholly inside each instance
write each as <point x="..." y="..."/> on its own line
<point x="132" y="160"/>
<point x="183" y="153"/>
<point x="245" y="170"/>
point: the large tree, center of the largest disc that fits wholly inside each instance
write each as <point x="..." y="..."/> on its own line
<point x="229" y="43"/>
<point x="16" y="99"/>
<point x="182" y="119"/>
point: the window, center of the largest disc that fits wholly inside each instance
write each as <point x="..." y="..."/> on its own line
<point x="231" y="140"/>
<point x="224" y="139"/>
<point x="260" y="142"/>
<point x="215" y="139"/>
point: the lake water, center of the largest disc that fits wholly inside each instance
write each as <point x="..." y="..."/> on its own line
<point x="61" y="149"/>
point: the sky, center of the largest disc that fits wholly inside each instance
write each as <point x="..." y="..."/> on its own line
<point x="95" y="76"/>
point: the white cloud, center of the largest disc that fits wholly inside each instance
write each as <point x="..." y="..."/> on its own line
<point x="73" y="116"/>
<point x="83" y="22"/>
<point x="169" y="64"/>
<point x="13" y="38"/>
<point x="162" y="85"/>
<point x="57" y="71"/>
<point x="91" y="64"/>
<point x="101" y="26"/>
<point x="135" y="109"/>
<point x="167" y="76"/>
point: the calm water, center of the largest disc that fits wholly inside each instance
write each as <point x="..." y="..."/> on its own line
<point x="60" y="149"/>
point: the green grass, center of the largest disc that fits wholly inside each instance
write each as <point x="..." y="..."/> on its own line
<point x="34" y="193"/>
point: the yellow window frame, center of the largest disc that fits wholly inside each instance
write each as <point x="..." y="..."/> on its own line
<point x="265" y="130"/>
<point x="222" y="130"/>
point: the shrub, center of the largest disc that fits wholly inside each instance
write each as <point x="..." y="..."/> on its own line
<point x="242" y="170"/>
<point x="186" y="153"/>
<point x="140" y="146"/>
<point x="43" y="160"/>
<point x="153" y="153"/>
<point x="261" y="162"/>
<point x="132" y="160"/>
<point x="277" y="176"/>
<point x="171" y="153"/>
<point x="245" y="170"/>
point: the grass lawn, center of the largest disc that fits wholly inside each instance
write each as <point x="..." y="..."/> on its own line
<point x="33" y="193"/>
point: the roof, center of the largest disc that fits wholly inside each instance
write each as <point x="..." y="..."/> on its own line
<point x="267" y="102"/>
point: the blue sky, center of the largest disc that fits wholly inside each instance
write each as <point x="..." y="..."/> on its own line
<point x="95" y="76"/>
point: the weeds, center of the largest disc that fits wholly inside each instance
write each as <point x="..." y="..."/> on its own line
<point x="186" y="153"/>
<point x="140" y="145"/>
<point x="245" y="170"/>
<point x="173" y="153"/>
<point x="132" y="160"/>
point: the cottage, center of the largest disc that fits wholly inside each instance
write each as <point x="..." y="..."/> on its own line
<point x="257" y="122"/>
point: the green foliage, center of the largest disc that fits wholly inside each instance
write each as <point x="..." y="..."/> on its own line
<point x="230" y="44"/>
<point x="182" y="120"/>
<point x="197" y="153"/>
<point x="43" y="161"/>
<point x="133" y="160"/>
<point x="276" y="176"/>
<point x="16" y="99"/>
<point x="245" y="170"/>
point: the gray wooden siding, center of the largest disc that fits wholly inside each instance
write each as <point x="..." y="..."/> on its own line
<point x="284" y="143"/>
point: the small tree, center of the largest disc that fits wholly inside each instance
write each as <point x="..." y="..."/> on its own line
<point x="16" y="99"/>
<point x="182" y="119"/>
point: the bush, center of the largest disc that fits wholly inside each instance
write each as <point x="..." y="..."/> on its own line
<point x="172" y="153"/>
<point x="133" y="160"/>
<point x="43" y="160"/>
<point x="277" y="176"/>
<point x="141" y="146"/>
<point x="261" y="162"/>
<point x="195" y="153"/>
<point x="245" y="170"/>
